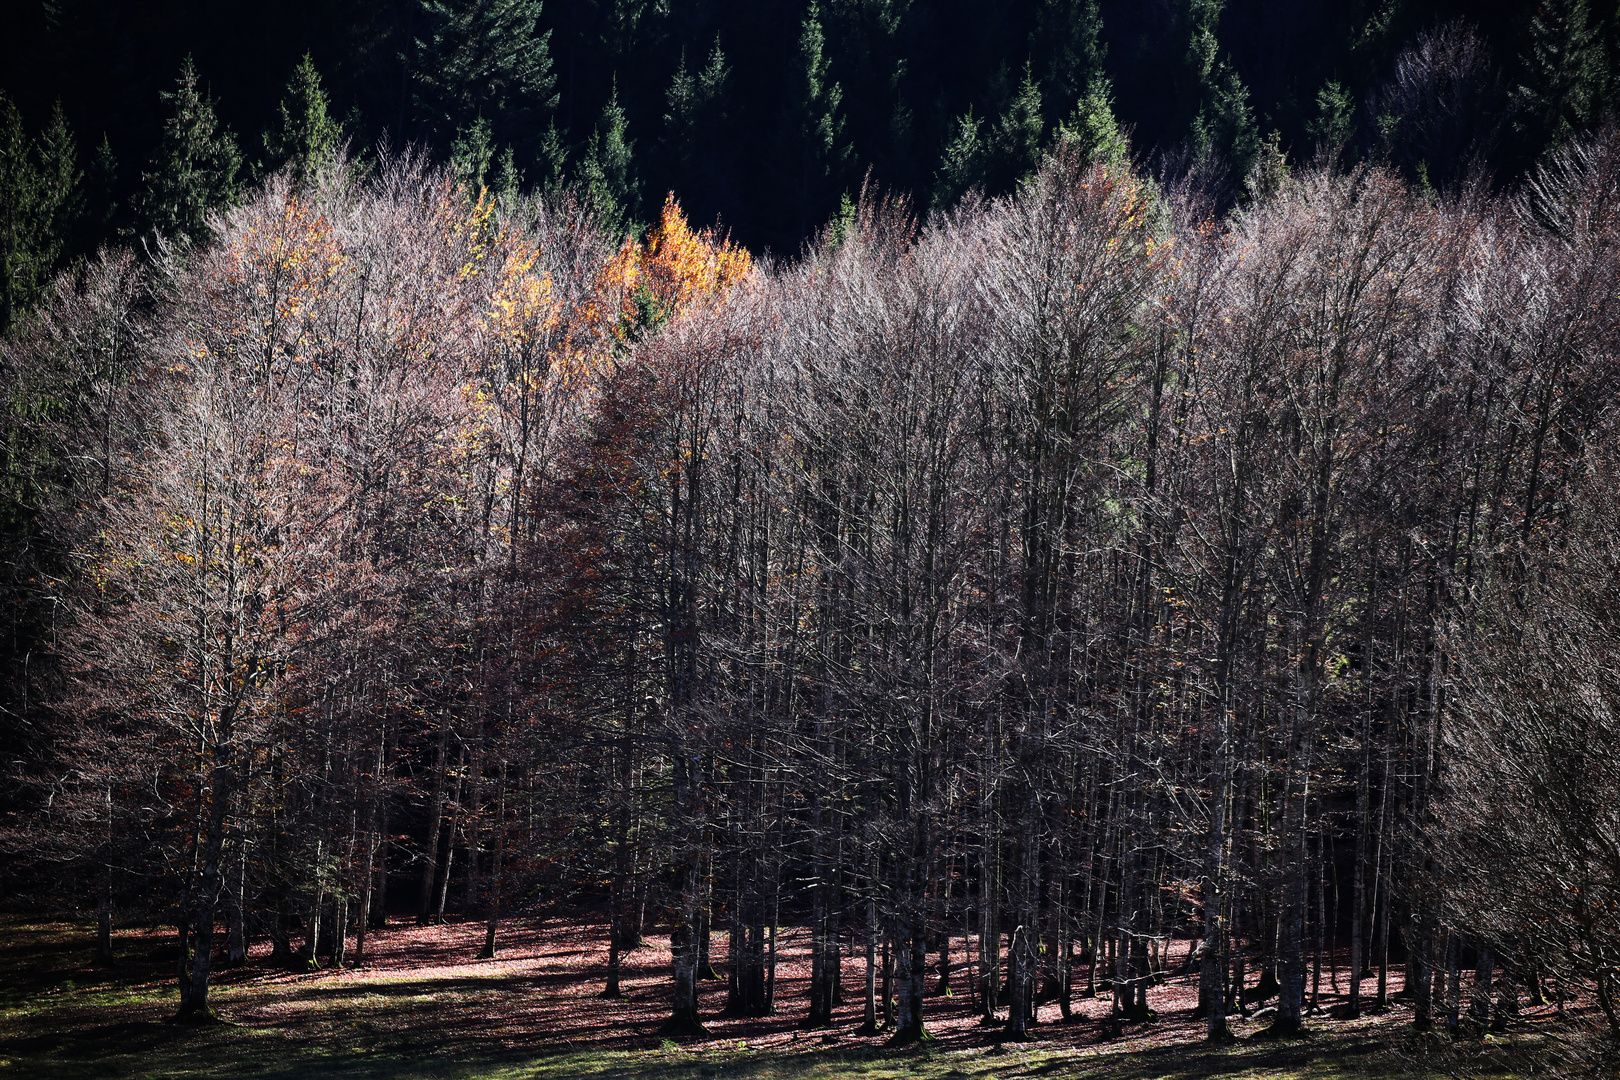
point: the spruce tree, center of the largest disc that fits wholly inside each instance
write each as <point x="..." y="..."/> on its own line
<point x="816" y="152"/>
<point x="306" y="137"/>
<point x="1018" y="137"/>
<point x="39" y="196"/>
<point x="961" y="165"/>
<point x="1335" y="119"/>
<point x="1092" y="128"/>
<point x="998" y="159"/>
<point x="100" y="205"/>
<point x="1225" y="123"/>
<point x="1563" y="72"/>
<point x="607" y="174"/>
<point x="697" y="152"/>
<point x="193" y="171"/>
<point x="471" y="156"/>
<point x="1068" y="44"/>
<point x="489" y="59"/>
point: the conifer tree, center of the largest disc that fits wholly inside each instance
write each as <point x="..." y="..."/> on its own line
<point x="1225" y="122"/>
<point x="194" y="168"/>
<point x="696" y="151"/>
<point x="1335" y="119"/>
<point x="490" y="59"/>
<point x="472" y="154"/>
<point x="817" y="152"/>
<point x="1564" y="71"/>
<point x="1068" y="41"/>
<point x="607" y="174"/>
<point x="996" y="160"/>
<point x="306" y="136"/>
<point x="1019" y="134"/>
<point x="962" y="164"/>
<point x="1222" y="118"/>
<point x="39" y="194"/>
<point x="101" y="191"/>
<point x="1093" y="129"/>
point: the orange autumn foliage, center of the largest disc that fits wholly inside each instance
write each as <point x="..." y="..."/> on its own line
<point x="681" y="269"/>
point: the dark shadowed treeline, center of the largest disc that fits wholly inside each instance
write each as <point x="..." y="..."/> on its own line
<point x="765" y="113"/>
<point x="1067" y="573"/>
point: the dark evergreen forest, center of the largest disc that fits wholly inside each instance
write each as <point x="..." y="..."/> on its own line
<point x="1063" y="477"/>
<point x="764" y="116"/>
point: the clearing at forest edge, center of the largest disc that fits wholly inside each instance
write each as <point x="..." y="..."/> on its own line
<point x="423" y="1008"/>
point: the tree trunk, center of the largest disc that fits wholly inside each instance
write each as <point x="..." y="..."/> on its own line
<point x="194" y="1006"/>
<point x="430" y="847"/>
<point x="492" y="915"/>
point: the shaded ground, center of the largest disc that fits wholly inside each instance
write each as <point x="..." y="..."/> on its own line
<point x="421" y="1007"/>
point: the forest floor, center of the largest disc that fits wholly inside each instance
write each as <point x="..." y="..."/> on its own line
<point x="423" y="1008"/>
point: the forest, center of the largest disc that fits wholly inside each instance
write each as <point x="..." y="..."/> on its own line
<point x="1174" y="534"/>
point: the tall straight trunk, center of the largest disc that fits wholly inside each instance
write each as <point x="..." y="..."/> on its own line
<point x="236" y="899"/>
<point x="1479" y="1009"/>
<point x="1022" y="955"/>
<point x="312" y="925"/>
<point x="340" y="930"/>
<point x="706" y="919"/>
<point x="1212" y="888"/>
<point x="869" y="1025"/>
<point x="340" y="925"/>
<point x="1294" y="899"/>
<point x="911" y="976"/>
<point x="473" y="818"/>
<point x="944" y="987"/>
<point x="1321" y="924"/>
<point x="684" y="954"/>
<point x="1063" y="937"/>
<point x="1422" y="1002"/>
<point x="430" y="846"/>
<point x="621" y="891"/>
<point x="492" y="911"/>
<point x="820" y="1014"/>
<point x="449" y="868"/>
<point x="683" y="939"/>
<point x="776" y="919"/>
<point x="457" y="824"/>
<point x="1453" y="998"/>
<point x="221" y="788"/>
<point x="1358" y="880"/>
<point x="367" y="873"/>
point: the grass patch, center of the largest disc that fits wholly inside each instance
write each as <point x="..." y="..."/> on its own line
<point x="63" y="1019"/>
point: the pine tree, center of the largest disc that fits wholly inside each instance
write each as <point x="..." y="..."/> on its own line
<point x="193" y="170"/>
<point x="306" y="137"/>
<point x="1564" y="71"/>
<point x="490" y="59"/>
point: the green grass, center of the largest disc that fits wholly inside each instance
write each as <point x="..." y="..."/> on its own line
<point x="60" y="1019"/>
